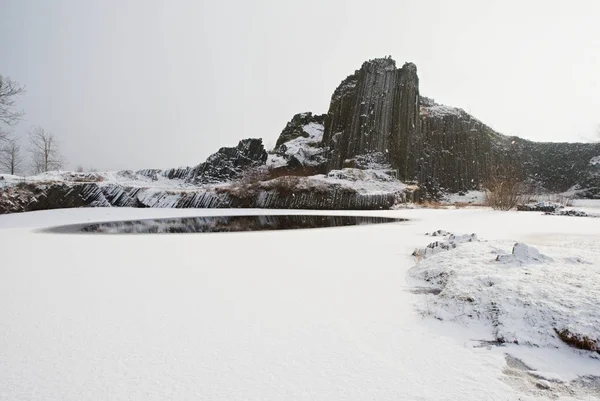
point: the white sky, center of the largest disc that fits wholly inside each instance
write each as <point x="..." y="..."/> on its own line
<point x="155" y="84"/>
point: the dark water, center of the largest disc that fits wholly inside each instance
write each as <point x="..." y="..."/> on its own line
<point x="216" y="224"/>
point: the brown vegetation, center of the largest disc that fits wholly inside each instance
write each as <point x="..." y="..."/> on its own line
<point x="578" y="341"/>
<point x="431" y="204"/>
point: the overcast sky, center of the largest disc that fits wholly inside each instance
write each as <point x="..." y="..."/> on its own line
<point x="130" y="84"/>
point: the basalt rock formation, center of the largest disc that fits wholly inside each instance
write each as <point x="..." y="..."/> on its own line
<point x="375" y="110"/>
<point x="377" y="132"/>
<point x="378" y="111"/>
<point x="295" y="128"/>
<point x="59" y="195"/>
<point x="229" y="163"/>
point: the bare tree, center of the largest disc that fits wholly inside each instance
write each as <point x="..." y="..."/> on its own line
<point x="11" y="159"/>
<point x="3" y="136"/>
<point x="9" y="89"/>
<point x="45" y="154"/>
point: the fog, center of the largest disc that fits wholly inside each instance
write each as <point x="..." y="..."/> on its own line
<point x="155" y="84"/>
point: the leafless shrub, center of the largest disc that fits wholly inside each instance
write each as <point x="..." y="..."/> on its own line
<point x="505" y="187"/>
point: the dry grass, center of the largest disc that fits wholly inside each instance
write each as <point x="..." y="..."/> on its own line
<point x="273" y="173"/>
<point x="429" y="204"/>
<point x="460" y="205"/>
<point x="284" y="181"/>
<point x="578" y="341"/>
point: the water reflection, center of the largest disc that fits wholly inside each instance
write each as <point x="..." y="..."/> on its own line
<point x="214" y="224"/>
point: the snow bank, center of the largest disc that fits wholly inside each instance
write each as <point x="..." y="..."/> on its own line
<point x="471" y="197"/>
<point x="373" y="182"/>
<point x="587" y="203"/>
<point x="523" y="254"/>
<point x="125" y="178"/>
<point x="444" y="245"/>
<point x="440" y="110"/>
<point x="524" y="296"/>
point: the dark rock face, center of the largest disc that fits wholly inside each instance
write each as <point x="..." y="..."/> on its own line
<point x="375" y="110"/>
<point x="458" y="152"/>
<point x="230" y="163"/>
<point x="180" y="173"/>
<point x="295" y="128"/>
<point x="455" y="151"/>
<point x="377" y="114"/>
<point x="560" y="166"/>
<point x="378" y="110"/>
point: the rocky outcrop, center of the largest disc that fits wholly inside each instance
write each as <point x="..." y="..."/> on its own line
<point x="57" y="196"/>
<point x="455" y="151"/>
<point x="229" y="163"/>
<point x="459" y="152"/>
<point x="546" y="207"/>
<point x="295" y="127"/>
<point x="376" y="109"/>
<point x="299" y="149"/>
<point x="558" y="167"/>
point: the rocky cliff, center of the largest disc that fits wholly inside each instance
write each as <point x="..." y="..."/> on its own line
<point x="378" y="133"/>
<point x="377" y="112"/>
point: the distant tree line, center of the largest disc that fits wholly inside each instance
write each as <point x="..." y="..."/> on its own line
<point x="44" y="151"/>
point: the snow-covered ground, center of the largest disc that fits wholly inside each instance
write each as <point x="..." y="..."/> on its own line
<point x="469" y="197"/>
<point x="124" y="178"/>
<point x="310" y="314"/>
<point x="587" y="203"/>
<point x="372" y="182"/>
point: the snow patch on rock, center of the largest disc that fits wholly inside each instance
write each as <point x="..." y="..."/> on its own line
<point x="373" y="182"/>
<point x="306" y="150"/>
<point x="548" y="292"/>
<point x="452" y="241"/>
<point x="523" y="254"/>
